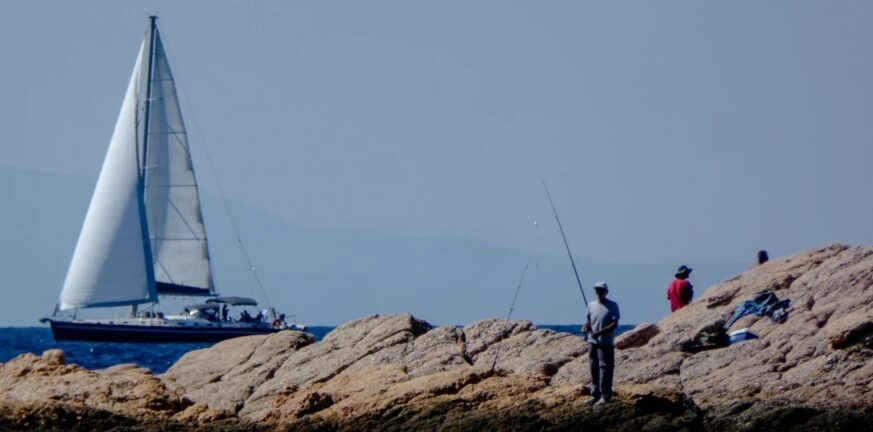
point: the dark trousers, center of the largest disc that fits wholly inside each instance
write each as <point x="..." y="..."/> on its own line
<point x="601" y="358"/>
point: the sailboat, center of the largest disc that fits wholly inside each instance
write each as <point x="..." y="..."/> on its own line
<point x="144" y="236"/>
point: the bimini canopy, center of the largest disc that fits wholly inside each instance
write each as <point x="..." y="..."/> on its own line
<point x="204" y="306"/>
<point x="234" y="301"/>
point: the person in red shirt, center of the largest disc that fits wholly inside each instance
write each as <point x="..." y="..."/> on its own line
<point x="680" y="291"/>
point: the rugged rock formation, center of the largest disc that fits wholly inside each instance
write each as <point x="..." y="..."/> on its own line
<point x="814" y="359"/>
<point x="44" y="393"/>
<point x="396" y="372"/>
<point x="637" y="337"/>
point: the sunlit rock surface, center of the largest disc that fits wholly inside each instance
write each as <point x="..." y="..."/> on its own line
<point x="396" y="372"/>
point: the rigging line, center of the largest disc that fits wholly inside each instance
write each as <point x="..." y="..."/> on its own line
<point x="165" y="271"/>
<point x="242" y="248"/>
<point x="187" y="225"/>
<point x="518" y="289"/>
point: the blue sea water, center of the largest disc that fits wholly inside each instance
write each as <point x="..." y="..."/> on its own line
<point x="98" y="355"/>
<point x="157" y="357"/>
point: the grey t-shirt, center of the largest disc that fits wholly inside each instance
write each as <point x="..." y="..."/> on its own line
<point x="601" y="315"/>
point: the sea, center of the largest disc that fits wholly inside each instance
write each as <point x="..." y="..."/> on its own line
<point x="158" y="357"/>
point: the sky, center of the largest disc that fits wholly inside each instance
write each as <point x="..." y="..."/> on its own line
<point x="668" y="132"/>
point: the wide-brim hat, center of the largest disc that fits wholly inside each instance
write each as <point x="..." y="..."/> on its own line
<point x="683" y="270"/>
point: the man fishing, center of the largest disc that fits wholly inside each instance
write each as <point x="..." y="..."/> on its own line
<point x="600" y="325"/>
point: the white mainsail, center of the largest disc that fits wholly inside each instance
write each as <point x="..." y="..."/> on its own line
<point x="109" y="265"/>
<point x="175" y="220"/>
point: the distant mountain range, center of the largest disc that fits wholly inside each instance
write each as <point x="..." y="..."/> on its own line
<point x="326" y="276"/>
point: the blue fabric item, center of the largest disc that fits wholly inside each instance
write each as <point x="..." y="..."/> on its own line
<point x="778" y="312"/>
<point x="764" y="303"/>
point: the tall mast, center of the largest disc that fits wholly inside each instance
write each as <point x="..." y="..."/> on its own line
<point x="148" y="101"/>
<point x="147" y="243"/>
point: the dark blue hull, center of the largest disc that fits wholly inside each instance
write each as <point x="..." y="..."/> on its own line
<point x="102" y="332"/>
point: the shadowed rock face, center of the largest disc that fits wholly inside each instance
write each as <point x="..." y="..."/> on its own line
<point x="398" y="373"/>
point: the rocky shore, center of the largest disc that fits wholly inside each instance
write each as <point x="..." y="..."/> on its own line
<point x="814" y="371"/>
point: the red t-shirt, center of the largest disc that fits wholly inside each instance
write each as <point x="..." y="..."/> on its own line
<point x="679" y="293"/>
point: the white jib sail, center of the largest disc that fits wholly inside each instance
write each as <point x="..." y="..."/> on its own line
<point x="109" y="265"/>
<point x="178" y="237"/>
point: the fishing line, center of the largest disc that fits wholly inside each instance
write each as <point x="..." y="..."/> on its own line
<point x="518" y="288"/>
<point x="566" y="245"/>
<point x="569" y="254"/>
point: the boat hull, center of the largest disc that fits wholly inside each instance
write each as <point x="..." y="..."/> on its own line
<point x="129" y="332"/>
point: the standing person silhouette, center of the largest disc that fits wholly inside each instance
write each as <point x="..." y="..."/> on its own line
<point x="602" y="320"/>
<point x="680" y="291"/>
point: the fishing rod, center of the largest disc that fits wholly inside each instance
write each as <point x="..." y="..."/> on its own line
<point x="517" y="289"/>
<point x="573" y="263"/>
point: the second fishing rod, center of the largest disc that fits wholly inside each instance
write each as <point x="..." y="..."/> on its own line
<point x="527" y="265"/>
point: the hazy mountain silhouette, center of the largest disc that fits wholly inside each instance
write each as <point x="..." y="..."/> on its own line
<point x="326" y="276"/>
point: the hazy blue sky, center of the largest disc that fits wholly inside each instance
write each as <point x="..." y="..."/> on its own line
<point x="669" y="132"/>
